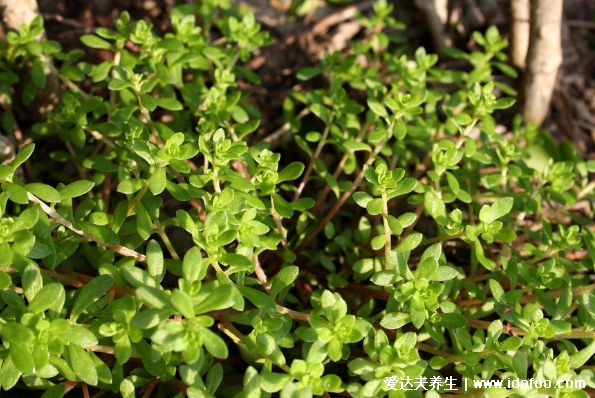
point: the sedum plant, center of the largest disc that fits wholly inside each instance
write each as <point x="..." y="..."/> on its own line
<point x="175" y="254"/>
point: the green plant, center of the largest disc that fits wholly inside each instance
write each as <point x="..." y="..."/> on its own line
<point x="311" y="292"/>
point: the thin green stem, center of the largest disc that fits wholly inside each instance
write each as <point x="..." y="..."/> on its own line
<point x="387" y="244"/>
<point x="340" y="168"/>
<point x="137" y="198"/>
<point x="344" y="197"/>
<point x="230" y="330"/>
<point x="465" y="133"/>
<point x="286" y="126"/>
<point x="69" y="83"/>
<point x="166" y="240"/>
<point x="315" y="156"/>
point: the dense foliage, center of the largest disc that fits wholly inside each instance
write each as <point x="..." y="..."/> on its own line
<point x="184" y="252"/>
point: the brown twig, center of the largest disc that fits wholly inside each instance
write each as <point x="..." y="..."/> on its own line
<point x="260" y="274"/>
<point x="85" y="390"/>
<point x="70" y="22"/>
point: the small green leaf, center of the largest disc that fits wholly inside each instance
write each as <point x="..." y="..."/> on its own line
<point x="144" y="225"/>
<point x="321" y="111"/>
<point x="155" y="262"/>
<point x="24" y="153"/>
<point x="117" y="85"/>
<point x="445" y="273"/>
<point x="437" y="363"/>
<point x="37" y="74"/>
<point x="100" y="72"/>
<point x="378" y="242"/>
<point x="177" y="191"/>
<point x="15" y="192"/>
<point x="214" y="344"/>
<point x="82" y="364"/>
<point x="291" y="172"/>
<point x="395" y="320"/>
<point x="410" y="242"/>
<point x="104" y="234"/>
<point x="404" y="186"/>
<point x="27" y="219"/>
<point x="500" y="208"/>
<point x="452" y="321"/>
<point x="138" y="277"/>
<point x="303" y="204"/>
<point x="374" y="206"/>
<point x="5" y="280"/>
<point x="259" y="299"/>
<point x="157" y="181"/>
<point x="353" y="145"/>
<point x="22" y="358"/>
<point x="90" y="293"/>
<point x="282" y="208"/>
<point x="75" y="189"/>
<point x="171" y="104"/>
<point x="273" y="382"/>
<point x="44" y="192"/>
<point x="284" y="278"/>
<point x="193" y="266"/>
<point x="16" y="333"/>
<point x="308" y="73"/>
<point x="9" y="375"/>
<point x="377" y="107"/>
<point x="182" y="302"/>
<point x="46" y="298"/>
<point x="5" y="171"/>
<point x="95" y="42"/>
<point x="153" y="297"/>
<point x="504" y="103"/>
<point x="56" y="391"/>
<point x="362" y="198"/>
<point x="80" y="336"/>
<point x="222" y="298"/>
<point x="427" y="268"/>
<point x="580" y="358"/>
<point x="237" y="261"/>
<point x="148" y="102"/>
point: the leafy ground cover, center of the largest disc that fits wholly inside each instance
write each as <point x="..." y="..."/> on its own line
<point x="153" y="243"/>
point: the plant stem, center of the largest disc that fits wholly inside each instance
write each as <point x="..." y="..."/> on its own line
<point x="278" y="224"/>
<point x="286" y="126"/>
<point x="341" y="200"/>
<point x="137" y="198"/>
<point x="260" y="274"/>
<point x="465" y="133"/>
<point x="387" y="244"/>
<point x="226" y="327"/>
<point x="166" y="241"/>
<point x="315" y="156"/>
<point x="216" y="179"/>
<point x="293" y="314"/>
<point x="339" y="169"/>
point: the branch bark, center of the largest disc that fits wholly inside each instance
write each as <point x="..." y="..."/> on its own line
<point x="544" y="57"/>
<point x="435" y="25"/>
<point x="15" y="13"/>
<point x="520" y="11"/>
